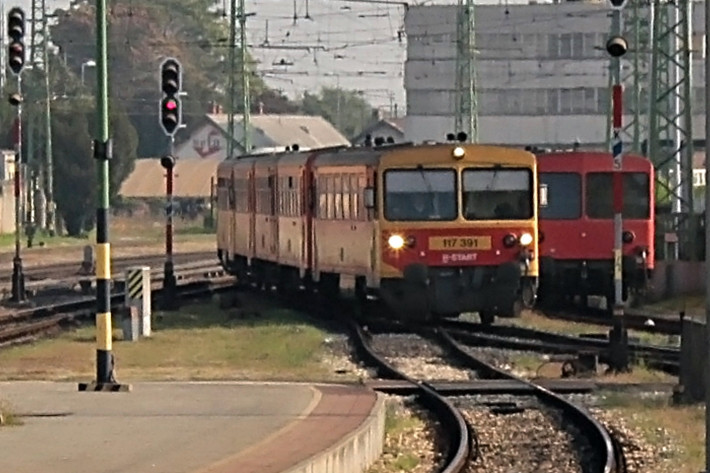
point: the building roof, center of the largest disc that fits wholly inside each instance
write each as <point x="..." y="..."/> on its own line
<point x="284" y="130"/>
<point x="396" y="124"/>
<point x="193" y="178"/>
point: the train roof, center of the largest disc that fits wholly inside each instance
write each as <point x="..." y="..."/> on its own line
<point x="590" y="161"/>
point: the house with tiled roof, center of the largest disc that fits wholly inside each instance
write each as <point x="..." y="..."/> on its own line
<point x="210" y="140"/>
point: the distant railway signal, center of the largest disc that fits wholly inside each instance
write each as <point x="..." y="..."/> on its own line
<point x="170" y="115"/>
<point x="617" y="4"/>
<point x="170" y="105"/>
<point x="617" y="46"/>
<point x="16" y="32"/>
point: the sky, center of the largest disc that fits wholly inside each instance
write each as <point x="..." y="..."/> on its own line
<point x="303" y="45"/>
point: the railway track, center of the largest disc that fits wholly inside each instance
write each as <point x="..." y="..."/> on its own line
<point x="26" y="324"/>
<point x="633" y="319"/>
<point x="519" y="338"/>
<point x="67" y="270"/>
<point x="445" y="358"/>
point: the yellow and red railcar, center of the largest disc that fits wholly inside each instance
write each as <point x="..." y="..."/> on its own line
<point x="577" y="225"/>
<point x="433" y="230"/>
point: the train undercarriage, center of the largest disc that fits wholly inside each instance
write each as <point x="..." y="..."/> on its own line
<point x="423" y="293"/>
<point x="572" y="282"/>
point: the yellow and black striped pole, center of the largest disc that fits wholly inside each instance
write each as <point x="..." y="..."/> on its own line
<point x="105" y="380"/>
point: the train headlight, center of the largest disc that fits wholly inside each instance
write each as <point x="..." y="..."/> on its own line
<point x="396" y="242"/>
<point x="628" y="236"/>
<point x="526" y="239"/>
<point x="458" y="152"/>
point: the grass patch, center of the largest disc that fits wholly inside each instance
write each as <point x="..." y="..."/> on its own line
<point x="658" y="421"/>
<point x="399" y="425"/>
<point x="200" y="342"/>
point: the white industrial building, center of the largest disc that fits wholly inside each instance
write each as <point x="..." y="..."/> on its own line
<point x="542" y="72"/>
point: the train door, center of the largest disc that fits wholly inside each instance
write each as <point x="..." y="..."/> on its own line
<point x="309" y="199"/>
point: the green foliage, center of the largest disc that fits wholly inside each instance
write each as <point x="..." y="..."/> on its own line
<point x="346" y="109"/>
<point x="75" y="182"/>
<point x="141" y="34"/>
<point x="73" y="127"/>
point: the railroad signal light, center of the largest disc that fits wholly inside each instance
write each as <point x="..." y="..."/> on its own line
<point x="170" y="114"/>
<point x="15" y="99"/>
<point x="16" y="32"/>
<point x="617" y="4"/>
<point x="170" y="77"/>
<point x="167" y="161"/>
<point x="617" y="46"/>
<point x="170" y="85"/>
<point x="16" y="23"/>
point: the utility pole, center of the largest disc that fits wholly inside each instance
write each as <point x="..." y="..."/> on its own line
<point x="241" y="15"/>
<point x="670" y="120"/>
<point x="466" y="113"/>
<point x="40" y="197"/>
<point x="171" y="121"/>
<point x="636" y="22"/>
<point x="16" y="62"/>
<point x="617" y="47"/>
<point x="105" y="380"/>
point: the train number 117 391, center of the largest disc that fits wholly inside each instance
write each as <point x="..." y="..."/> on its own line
<point x="460" y="243"/>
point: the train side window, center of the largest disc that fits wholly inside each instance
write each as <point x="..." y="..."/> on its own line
<point x="338" y="193"/>
<point x="346" y="197"/>
<point x="322" y="198"/>
<point x="354" y="198"/>
<point x="330" y="198"/>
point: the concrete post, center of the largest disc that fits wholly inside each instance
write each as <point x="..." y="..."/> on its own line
<point x="137" y="296"/>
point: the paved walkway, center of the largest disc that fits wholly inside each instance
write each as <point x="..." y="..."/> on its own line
<point x="173" y="427"/>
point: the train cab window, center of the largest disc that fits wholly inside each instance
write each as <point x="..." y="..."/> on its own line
<point x="497" y="194"/>
<point x="420" y="194"/>
<point x="564" y="196"/>
<point x="599" y="195"/>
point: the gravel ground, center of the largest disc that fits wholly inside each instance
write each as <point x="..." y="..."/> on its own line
<point x="419" y="358"/>
<point x="505" y="439"/>
<point x="517" y="434"/>
<point x="416" y="444"/>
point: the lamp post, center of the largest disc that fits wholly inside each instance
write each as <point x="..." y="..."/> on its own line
<point x="84" y="65"/>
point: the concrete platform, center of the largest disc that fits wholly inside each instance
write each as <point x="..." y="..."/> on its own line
<point x="218" y="427"/>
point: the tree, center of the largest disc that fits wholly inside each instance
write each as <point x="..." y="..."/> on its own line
<point x="75" y="175"/>
<point x="141" y="34"/>
<point x="75" y="171"/>
<point x="345" y="109"/>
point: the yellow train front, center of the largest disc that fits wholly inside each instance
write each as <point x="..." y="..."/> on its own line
<point x="433" y="230"/>
<point x="458" y="230"/>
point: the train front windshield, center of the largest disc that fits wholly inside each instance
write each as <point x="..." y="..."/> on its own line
<point x="420" y="194"/>
<point x="497" y="194"/>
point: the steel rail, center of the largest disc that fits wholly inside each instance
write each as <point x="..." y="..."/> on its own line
<point x="463" y="440"/>
<point x="633" y="318"/>
<point x="37" y="319"/>
<point x="611" y="457"/>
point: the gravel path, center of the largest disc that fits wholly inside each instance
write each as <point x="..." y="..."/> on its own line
<point x="419" y="358"/>
<point x="518" y="434"/>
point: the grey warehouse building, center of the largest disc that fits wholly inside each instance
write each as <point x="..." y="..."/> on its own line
<point x="542" y="72"/>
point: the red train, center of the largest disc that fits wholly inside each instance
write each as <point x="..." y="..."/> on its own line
<point x="432" y="230"/>
<point x="576" y="226"/>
